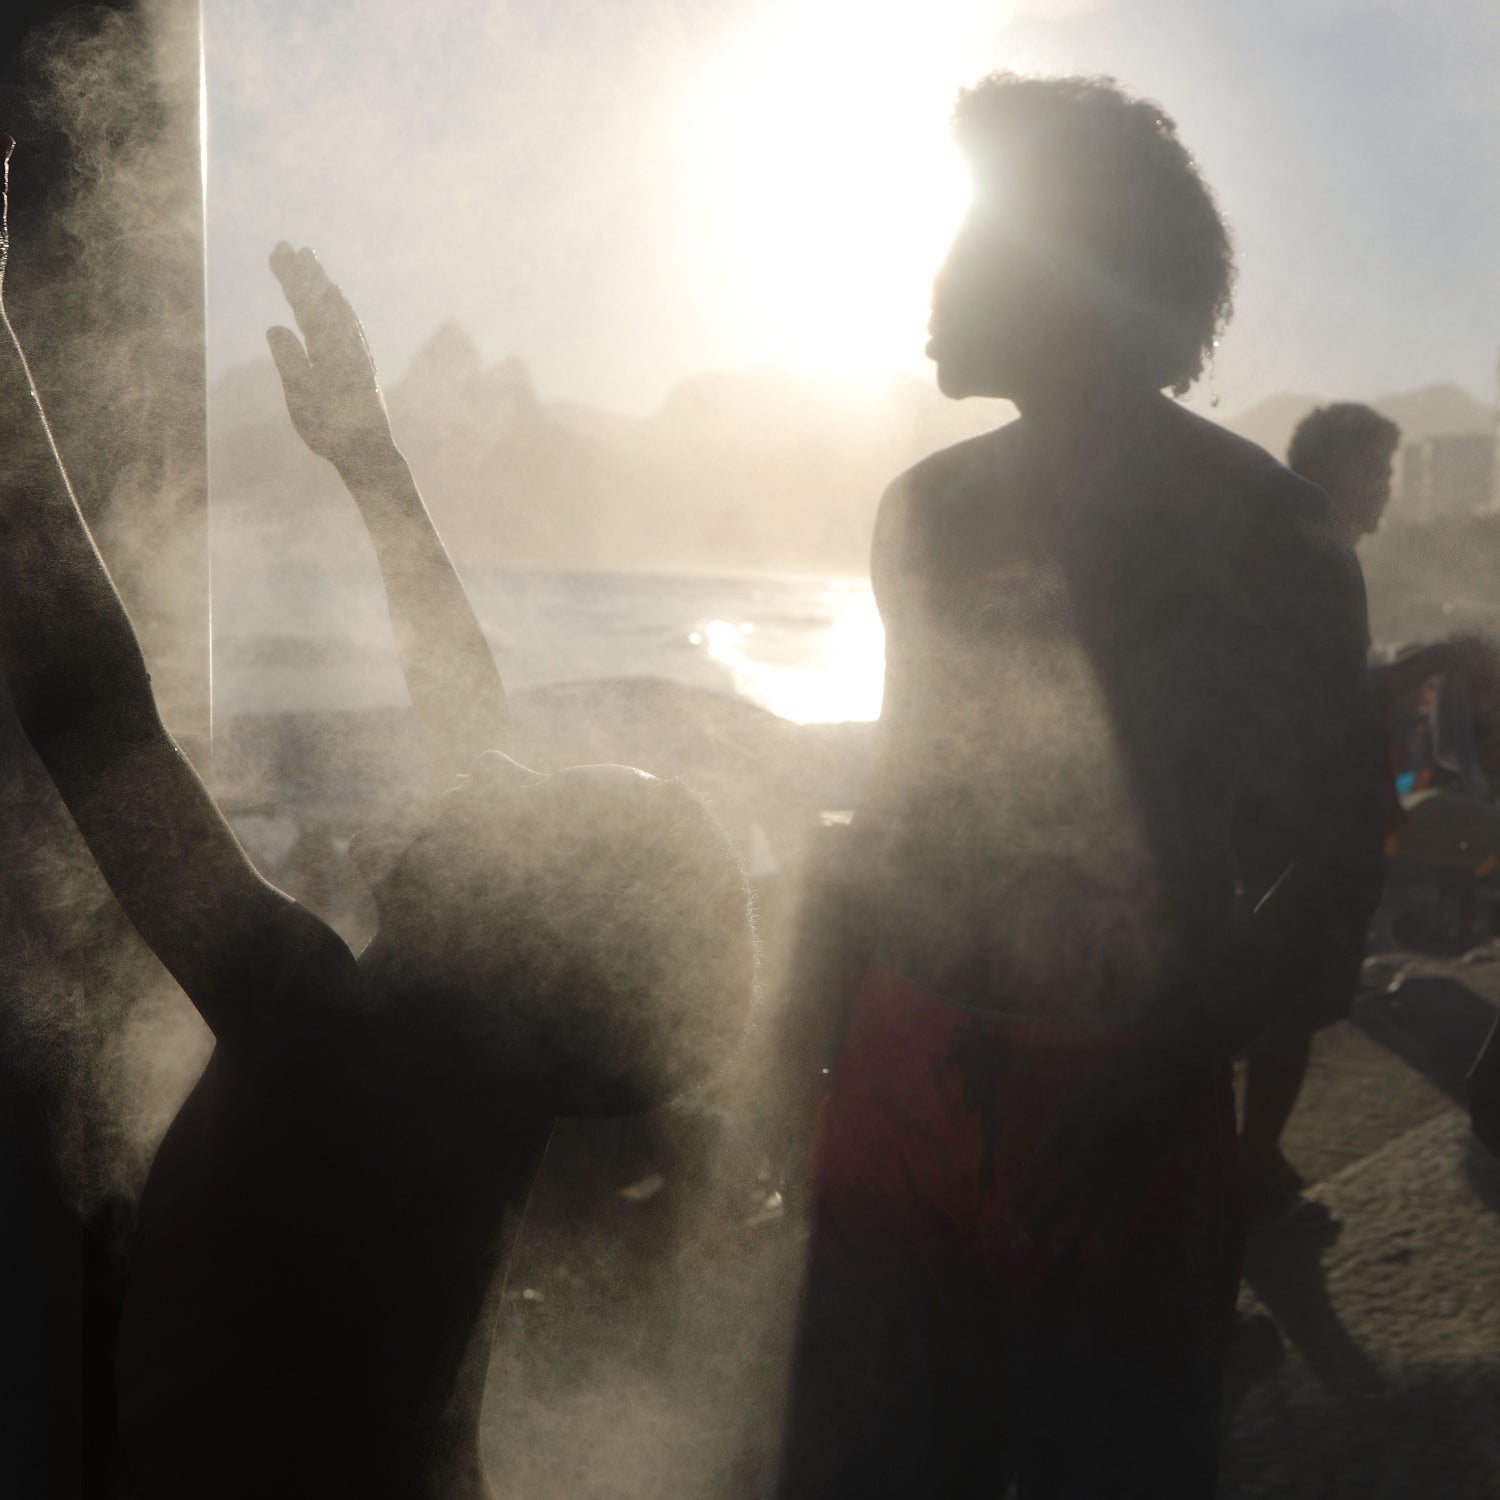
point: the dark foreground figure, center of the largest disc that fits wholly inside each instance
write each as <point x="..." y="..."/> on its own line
<point x="1127" y="811"/>
<point x="323" y="1235"/>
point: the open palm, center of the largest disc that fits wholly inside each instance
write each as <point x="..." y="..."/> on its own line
<point x="332" y="391"/>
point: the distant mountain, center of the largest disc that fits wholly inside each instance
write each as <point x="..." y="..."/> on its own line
<point x="1428" y="412"/>
<point x="1271" y="422"/>
<point x="752" y="470"/>
<point x="1435" y="410"/>
<point x="742" y="470"/>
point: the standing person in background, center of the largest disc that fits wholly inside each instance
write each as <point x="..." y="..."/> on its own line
<point x="1124" y="793"/>
<point x="1347" y="450"/>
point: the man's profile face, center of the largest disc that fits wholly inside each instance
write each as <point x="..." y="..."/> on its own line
<point x="1365" y="490"/>
<point x="1011" y="314"/>
<point x="989" y="304"/>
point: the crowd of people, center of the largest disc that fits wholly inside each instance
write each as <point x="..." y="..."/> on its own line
<point x="1127" y="825"/>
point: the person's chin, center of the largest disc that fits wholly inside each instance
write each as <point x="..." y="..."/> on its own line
<point x="958" y="378"/>
<point x="951" y="380"/>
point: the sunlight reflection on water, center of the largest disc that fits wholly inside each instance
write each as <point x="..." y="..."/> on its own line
<point x="824" y="670"/>
<point x="809" y="648"/>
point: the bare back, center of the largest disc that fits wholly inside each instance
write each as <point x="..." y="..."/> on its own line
<point x="1096" y="671"/>
<point x="320" y="1246"/>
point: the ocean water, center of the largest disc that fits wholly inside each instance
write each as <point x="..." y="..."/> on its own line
<point x="810" y="648"/>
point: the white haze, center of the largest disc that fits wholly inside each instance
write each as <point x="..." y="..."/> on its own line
<point x="532" y="171"/>
<point x="622" y="196"/>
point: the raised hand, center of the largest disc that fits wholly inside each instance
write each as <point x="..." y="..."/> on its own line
<point x="334" y="399"/>
<point x="332" y="391"/>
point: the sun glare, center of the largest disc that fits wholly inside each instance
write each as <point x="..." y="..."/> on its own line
<point x="830" y="187"/>
<point x="826" y="675"/>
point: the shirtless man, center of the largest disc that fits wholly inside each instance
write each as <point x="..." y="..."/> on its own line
<point x="322" y="1238"/>
<point x="1126" y="789"/>
<point x="1347" y="450"/>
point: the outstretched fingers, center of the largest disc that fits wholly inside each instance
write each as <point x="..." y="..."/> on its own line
<point x="332" y="391"/>
<point x="323" y="314"/>
<point x="292" y="363"/>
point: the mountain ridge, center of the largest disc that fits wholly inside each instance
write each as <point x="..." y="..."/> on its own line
<point x="1428" y="411"/>
<point x="743" y="470"/>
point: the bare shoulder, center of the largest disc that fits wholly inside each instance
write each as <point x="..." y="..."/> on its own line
<point x="1249" y="504"/>
<point x="277" y="971"/>
<point x="920" y="501"/>
<point x="1230" y="471"/>
<point x="1278" y="536"/>
<point x="978" y="460"/>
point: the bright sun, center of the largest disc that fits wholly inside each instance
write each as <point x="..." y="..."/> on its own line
<point x="829" y="185"/>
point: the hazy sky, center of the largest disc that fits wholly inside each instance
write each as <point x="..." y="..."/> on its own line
<point x="624" y="192"/>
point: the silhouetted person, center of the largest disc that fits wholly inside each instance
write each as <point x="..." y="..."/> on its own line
<point x="323" y="1234"/>
<point x="1347" y="450"/>
<point x="1126" y="791"/>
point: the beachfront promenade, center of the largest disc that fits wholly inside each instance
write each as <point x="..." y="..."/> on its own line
<point x="1388" y="1383"/>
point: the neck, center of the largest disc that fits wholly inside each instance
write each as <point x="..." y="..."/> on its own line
<point x="1094" y="403"/>
<point x="1065" y="422"/>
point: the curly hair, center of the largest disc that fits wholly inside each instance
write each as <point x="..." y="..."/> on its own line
<point x="1329" y="436"/>
<point x="1107" y="175"/>
<point x="610" y="931"/>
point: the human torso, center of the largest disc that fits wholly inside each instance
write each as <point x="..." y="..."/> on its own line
<point x="320" y="1244"/>
<point x="1074" y="655"/>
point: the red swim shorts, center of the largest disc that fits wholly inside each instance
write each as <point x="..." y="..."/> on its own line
<point x="936" y="1109"/>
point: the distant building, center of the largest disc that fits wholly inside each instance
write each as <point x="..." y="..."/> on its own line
<point x="1453" y="474"/>
<point x="1495" y="448"/>
<point x="1412" y="486"/>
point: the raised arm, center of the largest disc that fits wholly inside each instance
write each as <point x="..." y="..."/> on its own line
<point x="83" y="697"/>
<point x="333" y="396"/>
